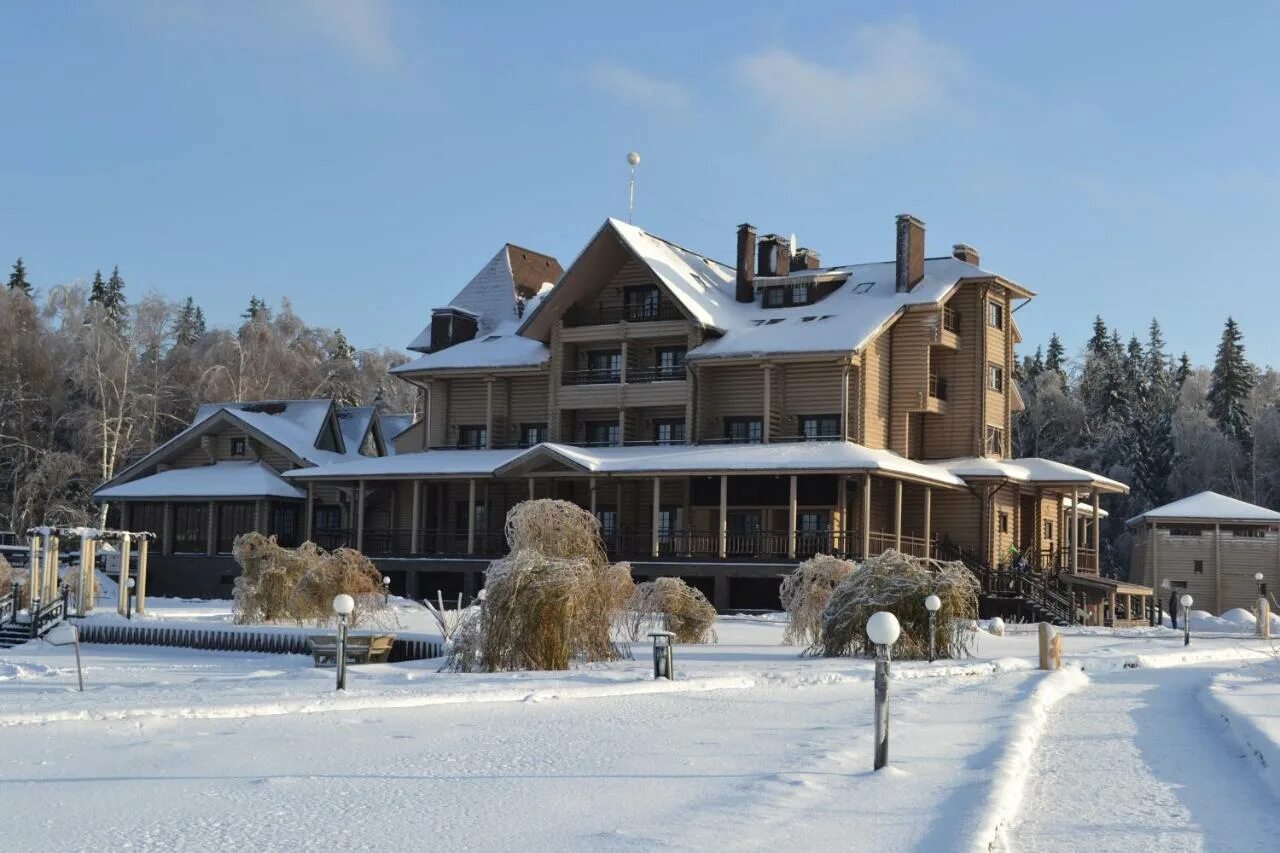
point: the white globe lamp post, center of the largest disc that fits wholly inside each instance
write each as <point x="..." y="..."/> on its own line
<point x="883" y="630"/>
<point x="933" y="604"/>
<point x="1186" y="601"/>
<point x="343" y="605"/>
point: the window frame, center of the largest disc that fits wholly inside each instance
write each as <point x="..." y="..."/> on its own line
<point x="675" y="425"/>
<point x="751" y="424"/>
<point x="995" y="377"/>
<point x="611" y="428"/>
<point x="1197" y="567"/>
<point x="996" y="448"/>
<point x="239" y="446"/>
<point x="481" y="431"/>
<point x="818" y="433"/>
<point x="995" y="315"/>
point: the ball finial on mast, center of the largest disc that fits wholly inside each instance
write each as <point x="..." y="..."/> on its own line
<point x="633" y="159"/>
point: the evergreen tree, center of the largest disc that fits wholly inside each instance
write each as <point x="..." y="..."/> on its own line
<point x="1229" y="388"/>
<point x="113" y="301"/>
<point x="98" y="290"/>
<point x="1056" y="355"/>
<point x="190" y="326"/>
<point x="18" y="278"/>
<point x="1181" y="372"/>
<point x="1159" y="378"/>
<point x="255" y="309"/>
<point x="342" y="369"/>
<point x="1098" y="341"/>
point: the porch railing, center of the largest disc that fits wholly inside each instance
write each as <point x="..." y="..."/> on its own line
<point x="592" y="376"/>
<point x="637" y="312"/>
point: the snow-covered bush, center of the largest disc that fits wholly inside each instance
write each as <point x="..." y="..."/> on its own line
<point x="6" y="575"/>
<point x="552" y="600"/>
<point x="806" y="591"/>
<point x="299" y="584"/>
<point x="900" y="583"/>
<point x="683" y="609"/>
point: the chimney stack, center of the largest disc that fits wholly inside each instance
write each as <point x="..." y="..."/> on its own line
<point x="805" y="259"/>
<point x="746" y="290"/>
<point x="774" y="255"/>
<point x="966" y="253"/>
<point x="910" y="256"/>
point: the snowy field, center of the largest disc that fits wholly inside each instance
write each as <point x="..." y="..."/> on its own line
<point x="1136" y="742"/>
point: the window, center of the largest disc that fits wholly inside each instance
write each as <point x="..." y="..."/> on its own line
<point x="1248" y="532"/>
<point x="670" y="362"/>
<point x="326" y="518"/>
<point x="744" y="430"/>
<point x="668" y="432"/>
<point x="284" y="524"/>
<point x="800" y="294"/>
<point x="995" y="441"/>
<point x="603" y="434"/>
<point x="531" y="434"/>
<point x="1186" y="531"/>
<point x="473" y="437"/>
<point x="995" y="315"/>
<point x="864" y="287"/>
<point x="813" y="522"/>
<point x="642" y="303"/>
<point x="1179" y="584"/>
<point x="1198" y="566"/>
<point x="1048" y="530"/>
<point x="238" y="446"/>
<point x="605" y="365"/>
<point x="774" y="297"/>
<point x="1004" y="522"/>
<point x="233" y="520"/>
<point x="190" y="528"/>
<point x="666" y="522"/>
<point x="819" y="427"/>
<point x="743" y="521"/>
<point x="608" y="519"/>
<point x="995" y="377"/>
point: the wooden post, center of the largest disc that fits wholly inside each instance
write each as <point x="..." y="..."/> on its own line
<point x="36" y="562"/>
<point x="591" y="486"/>
<point x="1046" y="642"/>
<point x="488" y="412"/>
<point x="360" y="516"/>
<point x="842" y="509"/>
<point x="1217" y="567"/>
<point x="1264" y="618"/>
<point x="724" y="516"/>
<point x="1075" y="531"/>
<point x="844" y="402"/>
<point x="928" y="522"/>
<point x="654" y="512"/>
<point x="144" y="549"/>
<point x="83" y="586"/>
<point x="426" y="416"/>
<point x="126" y="549"/>
<point x="415" y="524"/>
<point x="51" y="569"/>
<point x="765" y="420"/>
<point x="897" y="516"/>
<point x="1155" y="572"/>
<point x="532" y="491"/>
<point x="866" y="516"/>
<point x="791" y="520"/>
<point x="471" y="516"/>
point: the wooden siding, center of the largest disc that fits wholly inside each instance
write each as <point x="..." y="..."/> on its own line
<point x="957" y="432"/>
<point x="877" y="392"/>
<point x="910" y="339"/>
<point x="728" y="391"/>
<point x="1241" y="558"/>
<point x="806" y="389"/>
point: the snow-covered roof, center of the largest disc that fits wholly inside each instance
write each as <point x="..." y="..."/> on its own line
<point x="1028" y="470"/>
<point x="392" y="425"/>
<point x="1209" y="506"/>
<point x="1086" y="508"/>
<point x="354" y="422"/>
<point x="663" y="459"/>
<point x="294" y="424"/>
<point x="222" y="480"/>
<point x="502" y="347"/>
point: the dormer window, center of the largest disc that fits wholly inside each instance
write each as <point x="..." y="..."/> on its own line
<point x="774" y="297"/>
<point x="800" y="293"/>
<point x="239" y="447"/>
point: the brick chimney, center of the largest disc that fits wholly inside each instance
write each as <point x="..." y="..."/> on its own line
<point x="805" y="259"/>
<point x="746" y="291"/>
<point x="774" y="255"/>
<point x="910" y="256"/>
<point x="966" y="253"/>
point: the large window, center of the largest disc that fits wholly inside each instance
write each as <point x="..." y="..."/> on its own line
<point x="234" y="519"/>
<point x="819" y="427"/>
<point x="995" y="315"/>
<point x="326" y="517"/>
<point x="995" y="377"/>
<point x="668" y="432"/>
<point x="995" y="442"/>
<point x="190" y="528"/>
<point x="643" y="303"/>
<point x="670" y="362"/>
<point x="605" y="365"/>
<point x="603" y="434"/>
<point x="284" y="524"/>
<point x="531" y="434"/>
<point x="473" y="437"/>
<point x="147" y="518"/>
<point x="608" y="519"/>
<point x="744" y="430"/>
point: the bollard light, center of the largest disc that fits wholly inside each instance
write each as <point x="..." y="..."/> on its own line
<point x="1262" y="588"/>
<point x="1186" y="601"/>
<point x="883" y="630"/>
<point x="343" y="605"/>
<point x="933" y="604"/>
<point x="663" y="655"/>
<point x="386" y="590"/>
<point x="128" y="599"/>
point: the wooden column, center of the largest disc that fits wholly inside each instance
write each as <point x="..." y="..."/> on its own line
<point x="1217" y="567"/>
<point x="1096" y="528"/>
<point x="471" y="516"/>
<point x="415" y="524"/>
<point x="842" y="509"/>
<point x="1075" y="531"/>
<point x="309" y="521"/>
<point x="765" y="420"/>
<point x="654" y="513"/>
<point x="866" y="516"/>
<point x="844" y="402"/>
<point x="532" y="489"/>
<point x="791" y="520"/>
<point x="126" y="555"/>
<point x="591" y="486"/>
<point x="426" y="415"/>
<point x="360" y="516"/>
<point x="488" y="412"/>
<point x="897" y="516"/>
<point x="928" y="521"/>
<point x="724" y="516"/>
<point x="1155" y="569"/>
<point x="144" y="550"/>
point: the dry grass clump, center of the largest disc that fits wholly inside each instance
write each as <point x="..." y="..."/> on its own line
<point x="806" y="591"/>
<point x="685" y="611"/>
<point x="553" y="600"/>
<point x="6" y="576"/>
<point x="299" y="584"/>
<point x="899" y="583"/>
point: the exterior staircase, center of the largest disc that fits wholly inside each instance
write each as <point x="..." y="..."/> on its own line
<point x="1023" y="596"/>
<point x="18" y="626"/>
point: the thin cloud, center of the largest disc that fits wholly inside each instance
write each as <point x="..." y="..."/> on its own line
<point x="362" y="29"/>
<point x="894" y="73"/>
<point x="641" y="90"/>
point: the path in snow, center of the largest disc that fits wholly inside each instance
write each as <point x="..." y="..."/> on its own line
<point x="1134" y="761"/>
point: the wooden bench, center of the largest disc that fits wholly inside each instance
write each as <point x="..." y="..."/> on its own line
<point x="360" y="649"/>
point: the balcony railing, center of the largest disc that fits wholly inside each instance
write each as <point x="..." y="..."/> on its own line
<point x="937" y="387"/>
<point x="657" y="374"/>
<point x="640" y="312"/>
<point x="951" y="320"/>
<point x="596" y="376"/>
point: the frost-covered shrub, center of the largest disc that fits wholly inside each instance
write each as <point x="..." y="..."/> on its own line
<point x="900" y="583"/>
<point x="683" y="609"/>
<point x="806" y="591"/>
<point x="552" y="600"/>
<point x="299" y="584"/>
<point x="6" y="576"/>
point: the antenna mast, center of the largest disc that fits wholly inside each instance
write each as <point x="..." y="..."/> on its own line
<point x="634" y="159"/>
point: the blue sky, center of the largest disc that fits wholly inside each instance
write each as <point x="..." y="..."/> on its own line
<point x="365" y="159"/>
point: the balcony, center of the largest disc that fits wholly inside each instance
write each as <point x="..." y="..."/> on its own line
<point x="593" y="376"/>
<point x="947" y="332"/>
<point x="640" y="312"/>
<point x="937" y="387"/>
<point x="657" y="374"/>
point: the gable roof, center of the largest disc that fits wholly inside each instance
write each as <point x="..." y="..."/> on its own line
<point x="1209" y="506"/>
<point x="355" y="423"/>
<point x="227" y="479"/>
<point x="391" y="425"/>
<point x="492" y="294"/>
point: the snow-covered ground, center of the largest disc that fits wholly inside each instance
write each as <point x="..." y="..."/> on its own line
<point x="751" y="747"/>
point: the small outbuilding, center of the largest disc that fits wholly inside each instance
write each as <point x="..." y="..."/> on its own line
<point x="1209" y="545"/>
